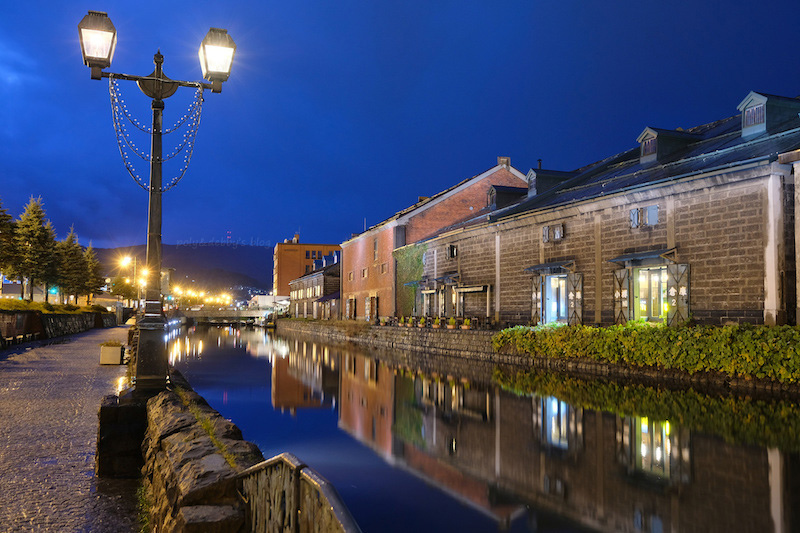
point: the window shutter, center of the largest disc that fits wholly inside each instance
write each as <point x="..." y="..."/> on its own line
<point x="621" y="308"/>
<point x="677" y="294"/>
<point x="367" y="309"/>
<point x="574" y="298"/>
<point x="536" y="300"/>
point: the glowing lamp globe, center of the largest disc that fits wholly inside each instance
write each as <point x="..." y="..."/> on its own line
<point x="216" y="57"/>
<point x="98" y="41"/>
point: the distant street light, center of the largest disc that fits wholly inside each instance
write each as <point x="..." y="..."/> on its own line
<point x="98" y="38"/>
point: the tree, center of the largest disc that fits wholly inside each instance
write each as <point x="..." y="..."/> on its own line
<point x="73" y="268"/>
<point x="34" y="242"/>
<point x="94" y="279"/>
<point x="6" y="243"/>
<point x="122" y="288"/>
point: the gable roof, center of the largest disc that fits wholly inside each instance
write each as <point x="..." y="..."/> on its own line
<point x="426" y="203"/>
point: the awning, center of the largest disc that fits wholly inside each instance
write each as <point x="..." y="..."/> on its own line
<point x="448" y="279"/>
<point x="328" y="297"/>
<point x="472" y="288"/>
<point x="639" y="256"/>
<point x="555" y="265"/>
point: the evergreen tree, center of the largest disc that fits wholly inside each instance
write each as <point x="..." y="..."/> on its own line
<point x="34" y="243"/>
<point x="94" y="279"/>
<point x="51" y="265"/>
<point x="6" y="243"/>
<point x="73" y="268"/>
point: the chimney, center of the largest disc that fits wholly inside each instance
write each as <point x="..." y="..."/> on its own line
<point x="504" y="161"/>
<point x="296" y="238"/>
<point x="540" y="163"/>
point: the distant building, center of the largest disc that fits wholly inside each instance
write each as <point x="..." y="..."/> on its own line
<point x="316" y="295"/>
<point x="292" y="259"/>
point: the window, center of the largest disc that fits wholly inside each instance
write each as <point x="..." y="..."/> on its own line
<point x="308" y="267"/>
<point x="452" y="251"/>
<point x="649" y="146"/>
<point x="308" y="254"/>
<point x="555" y="303"/>
<point x="558" y="232"/>
<point x="754" y="115"/>
<point x="363" y="272"/>
<point x="319" y="254"/>
<point x="654" y="449"/>
<point x="384" y="268"/>
<point x="546" y="234"/>
<point x="556" y="422"/>
<point x="375" y="249"/>
<point x="644" y="216"/>
<point x="650" y="291"/>
<point x="313" y="254"/>
<point x="349" y="276"/>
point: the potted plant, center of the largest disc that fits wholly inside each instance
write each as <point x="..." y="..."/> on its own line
<point x="436" y="323"/>
<point x="467" y="323"/>
<point x="451" y="323"/>
<point x="383" y="321"/>
<point x="111" y="353"/>
<point x="402" y="321"/>
<point x="421" y="322"/>
<point x="410" y="322"/>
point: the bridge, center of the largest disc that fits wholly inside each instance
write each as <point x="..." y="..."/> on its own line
<point x="216" y="315"/>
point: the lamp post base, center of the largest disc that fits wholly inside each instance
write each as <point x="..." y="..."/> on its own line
<point x="152" y="365"/>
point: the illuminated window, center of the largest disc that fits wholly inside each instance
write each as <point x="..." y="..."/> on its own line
<point x="363" y="272"/>
<point x="555" y="298"/>
<point x="653" y="448"/>
<point x="556" y="422"/>
<point x="650" y="288"/>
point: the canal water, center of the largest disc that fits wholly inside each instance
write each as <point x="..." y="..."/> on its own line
<point x="432" y="443"/>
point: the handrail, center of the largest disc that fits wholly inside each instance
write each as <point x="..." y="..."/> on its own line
<point x="284" y="494"/>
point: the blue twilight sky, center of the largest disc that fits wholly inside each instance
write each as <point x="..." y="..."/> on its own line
<point x="340" y="113"/>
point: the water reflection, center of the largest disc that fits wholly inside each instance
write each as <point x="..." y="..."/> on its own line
<point x="609" y="457"/>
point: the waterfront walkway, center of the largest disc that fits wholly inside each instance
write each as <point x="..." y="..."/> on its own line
<point x="50" y="393"/>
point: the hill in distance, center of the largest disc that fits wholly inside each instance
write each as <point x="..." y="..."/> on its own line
<point x="210" y="267"/>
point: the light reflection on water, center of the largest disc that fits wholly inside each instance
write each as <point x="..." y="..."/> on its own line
<point x="432" y="444"/>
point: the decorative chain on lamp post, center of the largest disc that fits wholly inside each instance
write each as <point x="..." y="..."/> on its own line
<point x="98" y="39"/>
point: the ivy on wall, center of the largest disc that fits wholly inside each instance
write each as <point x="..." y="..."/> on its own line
<point x="771" y="352"/>
<point x="735" y="419"/>
<point x="409" y="270"/>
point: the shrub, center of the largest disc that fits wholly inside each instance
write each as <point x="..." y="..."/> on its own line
<point x="771" y="352"/>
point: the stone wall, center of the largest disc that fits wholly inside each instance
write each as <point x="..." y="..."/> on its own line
<point x="18" y="326"/>
<point x="475" y="345"/>
<point x="192" y="456"/>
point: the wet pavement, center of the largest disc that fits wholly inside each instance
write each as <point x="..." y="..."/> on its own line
<point x="50" y="392"/>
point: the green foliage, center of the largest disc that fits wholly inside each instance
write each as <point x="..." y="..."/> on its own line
<point x="739" y="420"/>
<point x="94" y="272"/>
<point x="771" y="352"/>
<point x="207" y="425"/>
<point x="7" y="249"/>
<point x="144" y="505"/>
<point x="73" y="268"/>
<point x="7" y="304"/>
<point x="119" y="287"/>
<point x="409" y="270"/>
<point x="34" y="244"/>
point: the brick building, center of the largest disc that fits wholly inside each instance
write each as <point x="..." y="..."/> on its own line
<point x="368" y="266"/>
<point x="292" y="259"/>
<point x="695" y="223"/>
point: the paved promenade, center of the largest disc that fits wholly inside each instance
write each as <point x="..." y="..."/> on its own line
<point x="50" y="392"/>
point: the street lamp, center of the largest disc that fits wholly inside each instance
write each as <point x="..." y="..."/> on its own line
<point x="98" y="38"/>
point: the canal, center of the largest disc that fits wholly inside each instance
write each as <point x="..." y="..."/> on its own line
<point x="431" y="443"/>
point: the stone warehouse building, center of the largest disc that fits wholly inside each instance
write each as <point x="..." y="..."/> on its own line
<point x="316" y="295"/>
<point x="368" y="267"/>
<point x="695" y="223"/>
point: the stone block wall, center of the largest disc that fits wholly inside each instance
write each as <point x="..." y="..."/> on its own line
<point x="191" y="459"/>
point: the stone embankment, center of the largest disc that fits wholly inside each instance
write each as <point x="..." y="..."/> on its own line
<point x="471" y="344"/>
<point x="192" y="457"/>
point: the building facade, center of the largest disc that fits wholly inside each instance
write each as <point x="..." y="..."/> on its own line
<point x="316" y="295"/>
<point x="292" y="259"/>
<point x="369" y="288"/>
<point x="696" y="224"/>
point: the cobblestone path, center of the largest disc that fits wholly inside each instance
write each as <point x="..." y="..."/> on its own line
<point x="50" y="393"/>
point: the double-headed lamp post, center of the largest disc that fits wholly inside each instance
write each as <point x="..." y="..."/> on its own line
<point x="98" y="39"/>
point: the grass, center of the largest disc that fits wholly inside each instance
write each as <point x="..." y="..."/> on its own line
<point x="143" y="507"/>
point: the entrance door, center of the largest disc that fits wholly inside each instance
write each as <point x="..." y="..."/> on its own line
<point x="555" y="298"/>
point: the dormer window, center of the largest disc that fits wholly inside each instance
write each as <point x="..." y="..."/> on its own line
<point x="754" y="115"/>
<point x="649" y="146"/>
